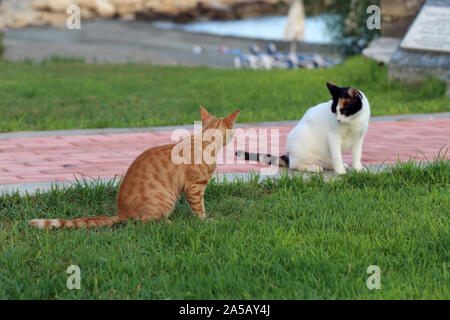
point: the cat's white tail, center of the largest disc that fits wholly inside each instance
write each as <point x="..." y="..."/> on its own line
<point x="75" y="223"/>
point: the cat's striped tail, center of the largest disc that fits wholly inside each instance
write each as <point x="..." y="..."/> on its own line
<point x="282" y="161"/>
<point x="75" y="223"/>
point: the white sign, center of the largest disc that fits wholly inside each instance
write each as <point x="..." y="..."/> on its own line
<point x="430" y="31"/>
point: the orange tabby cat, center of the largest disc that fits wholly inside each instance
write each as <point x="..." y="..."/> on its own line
<point x="154" y="182"/>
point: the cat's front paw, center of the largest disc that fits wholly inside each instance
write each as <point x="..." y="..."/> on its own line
<point x="201" y="216"/>
<point x="315" y="169"/>
<point x="340" y="171"/>
<point x="358" y="167"/>
<point x="311" y="168"/>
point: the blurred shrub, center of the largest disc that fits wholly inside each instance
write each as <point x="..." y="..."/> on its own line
<point x="349" y="26"/>
<point x="347" y="22"/>
<point x="313" y="7"/>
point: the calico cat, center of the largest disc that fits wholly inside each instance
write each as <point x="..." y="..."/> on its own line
<point x="154" y="181"/>
<point x="323" y="133"/>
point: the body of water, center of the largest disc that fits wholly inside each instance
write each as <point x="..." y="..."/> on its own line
<point x="268" y="27"/>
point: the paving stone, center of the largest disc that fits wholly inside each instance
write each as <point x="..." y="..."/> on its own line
<point x="60" y="158"/>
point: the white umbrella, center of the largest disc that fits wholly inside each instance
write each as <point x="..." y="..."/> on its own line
<point x="295" y="25"/>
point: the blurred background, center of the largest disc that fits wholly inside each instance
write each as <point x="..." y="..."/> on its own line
<point x="110" y="63"/>
<point x="179" y="31"/>
<point x="87" y="85"/>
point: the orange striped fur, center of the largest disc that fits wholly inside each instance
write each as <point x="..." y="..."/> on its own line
<point x="153" y="182"/>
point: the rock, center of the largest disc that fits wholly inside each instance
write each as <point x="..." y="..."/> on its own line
<point x="40" y="5"/>
<point x="24" y="19"/>
<point x="60" y="6"/>
<point x="177" y="10"/>
<point x="382" y="49"/>
<point x="87" y="4"/>
<point x="87" y="13"/>
<point x="6" y="19"/>
<point x="128" y="17"/>
<point x="105" y="8"/>
<point x="128" y="6"/>
<point x="57" y="20"/>
<point x="397" y="15"/>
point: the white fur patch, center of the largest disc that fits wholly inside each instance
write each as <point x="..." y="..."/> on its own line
<point x="55" y="223"/>
<point x="38" y="223"/>
<point x="319" y="139"/>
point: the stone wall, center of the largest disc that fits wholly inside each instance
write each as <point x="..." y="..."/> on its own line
<point x="397" y="15"/>
<point x="22" y="13"/>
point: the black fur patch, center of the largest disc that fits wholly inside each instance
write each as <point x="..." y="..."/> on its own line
<point x="351" y="104"/>
<point x="334" y="105"/>
<point x="282" y="161"/>
<point x="285" y="159"/>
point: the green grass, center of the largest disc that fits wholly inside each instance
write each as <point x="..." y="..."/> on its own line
<point x="276" y="239"/>
<point x="1" y="44"/>
<point x="60" y="94"/>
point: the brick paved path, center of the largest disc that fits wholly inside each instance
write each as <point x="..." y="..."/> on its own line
<point x="59" y="158"/>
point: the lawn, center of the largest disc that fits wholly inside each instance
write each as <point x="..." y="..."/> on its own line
<point x="278" y="239"/>
<point x="60" y="94"/>
<point x="1" y="44"/>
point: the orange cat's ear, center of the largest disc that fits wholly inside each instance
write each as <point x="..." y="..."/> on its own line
<point x="205" y="114"/>
<point x="232" y="117"/>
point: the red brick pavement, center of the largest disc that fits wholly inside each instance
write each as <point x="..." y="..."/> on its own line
<point x="60" y="158"/>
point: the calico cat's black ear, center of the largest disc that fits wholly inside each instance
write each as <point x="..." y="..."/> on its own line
<point x="334" y="90"/>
